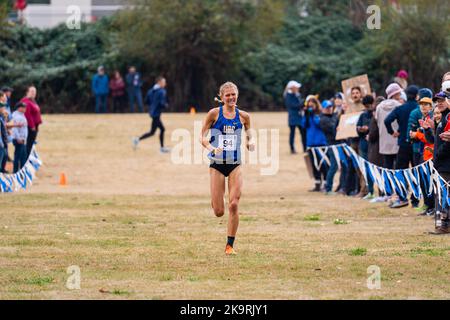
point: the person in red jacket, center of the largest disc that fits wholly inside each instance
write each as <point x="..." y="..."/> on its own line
<point x="33" y="115"/>
<point x="117" y="86"/>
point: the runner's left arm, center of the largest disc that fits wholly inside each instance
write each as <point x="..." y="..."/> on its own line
<point x="248" y="131"/>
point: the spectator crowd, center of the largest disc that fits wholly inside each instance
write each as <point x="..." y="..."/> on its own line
<point x="19" y="128"/>
<point x="117" y="90"/>
<point x="404" y="128"/>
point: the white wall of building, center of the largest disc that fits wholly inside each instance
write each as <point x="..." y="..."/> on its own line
<point x="57" y="12"/>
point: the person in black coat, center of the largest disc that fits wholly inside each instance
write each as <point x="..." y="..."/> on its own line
<point x="3" y="133"/>
<point x="328" y="123"/>
<point x="442" y="157"/>
<point x="294" y="105"/>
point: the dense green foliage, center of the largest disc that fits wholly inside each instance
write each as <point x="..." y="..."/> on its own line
<point x="198" y="44"/>
<point x="417" y="39"/>
<point x="258" y="44"/>
<point x="60" y="62"/>
<point x="318" y="51"/>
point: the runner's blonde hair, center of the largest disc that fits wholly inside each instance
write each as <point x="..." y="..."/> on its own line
<point x="227" y="85"/>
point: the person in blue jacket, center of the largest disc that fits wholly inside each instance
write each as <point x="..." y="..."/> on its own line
<point x="100" y="88"/>
<point x="315" y="137"/>
<point x="294" y="105"/>
<point x="8" y="92"/>
<point x="413" y="125"/>
<point x="156" y="100"/>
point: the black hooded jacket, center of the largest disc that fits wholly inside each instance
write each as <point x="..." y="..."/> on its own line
<point x="441" y="147"/>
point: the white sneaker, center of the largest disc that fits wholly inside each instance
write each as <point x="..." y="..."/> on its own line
<point x="164" y="150"/>
<point x="378" y="200"/>
<point x="135" y="142"/>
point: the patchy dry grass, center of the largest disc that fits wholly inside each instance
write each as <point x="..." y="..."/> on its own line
<point x="172" y="247"/>
<point x="141" y="228"/>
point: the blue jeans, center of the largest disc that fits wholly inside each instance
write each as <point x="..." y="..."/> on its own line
<point x="135" y="95"/>
<point x="332" y="171"/>
<point x="2" y="157"/>
<point x="101" y="103"/>
<point x="364" y="148"/>
<point x="20" y="155"/>
<point x="364" y="153"/>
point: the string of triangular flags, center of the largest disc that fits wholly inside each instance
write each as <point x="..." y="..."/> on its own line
<point x="22" y="178"/>
<point x="419" y="179"/>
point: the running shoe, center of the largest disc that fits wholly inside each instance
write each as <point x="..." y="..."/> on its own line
<point x="135" y="142"/>
<point x="164" y="150"/>
<point x="425" y="211"/>
<point x="316" y="188"/>
<point x="422" y="208"/>
<point x="369" y="196"/>
<point x="440" y="231"/>
<point x="229" y="251"/>
<point x="378" y="200"/>
<point x="399" y="204"/>
<point x="391" y="200"/>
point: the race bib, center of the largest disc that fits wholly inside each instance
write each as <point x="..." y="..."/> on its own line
<point x="228" y="142"/>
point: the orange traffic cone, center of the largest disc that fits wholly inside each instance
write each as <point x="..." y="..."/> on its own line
<point x="193" y="111"/>
<point x="62" y="179"/>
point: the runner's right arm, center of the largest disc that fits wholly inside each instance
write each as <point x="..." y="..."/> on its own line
<point x="209" y="121"/>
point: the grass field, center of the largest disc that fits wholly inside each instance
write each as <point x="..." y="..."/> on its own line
<point x="140" y="227"/>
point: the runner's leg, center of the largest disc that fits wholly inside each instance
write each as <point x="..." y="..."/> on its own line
<point x="161" y="132"/>
<point x="234" y="189"/>
<point x="217" y="192"/>
<point x="152" y="129"/>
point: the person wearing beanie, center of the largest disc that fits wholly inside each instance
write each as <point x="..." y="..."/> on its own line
<point x="402" y="79"/>
<point x="413" y="125"/>
<point x="328" y="123"/>
<point x="388" y="144"/>
<point x="338" y="102"/>
<point x="405" y="153"/>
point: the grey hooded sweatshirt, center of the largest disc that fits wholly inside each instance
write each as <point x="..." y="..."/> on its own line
<point x="388" y="144"/>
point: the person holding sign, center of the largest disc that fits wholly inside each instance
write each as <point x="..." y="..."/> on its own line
<point x="226" y="123"/>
